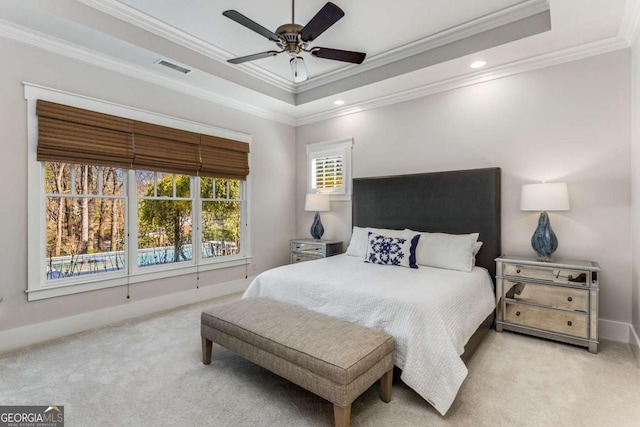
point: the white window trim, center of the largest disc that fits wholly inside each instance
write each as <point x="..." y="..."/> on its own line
<point x="36" y="251"/>
<point x="345" y="146"/>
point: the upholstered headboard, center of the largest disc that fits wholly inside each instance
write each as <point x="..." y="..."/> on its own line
<point x="465" y="201"/>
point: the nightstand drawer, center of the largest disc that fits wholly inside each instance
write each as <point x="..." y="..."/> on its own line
<point x="298" y="257"/>
<point x="548" y="274"/>
<point x="307" y="247"/>
<point x="562" y="322"/>
<point x="548" y="295"/>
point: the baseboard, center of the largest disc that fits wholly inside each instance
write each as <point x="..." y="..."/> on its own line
<point x="634" y="342"/>
<point x="613" y="330"/>
<point x="46" y="331"/>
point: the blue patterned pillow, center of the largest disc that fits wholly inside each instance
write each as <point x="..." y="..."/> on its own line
<point x="392" y="250"/>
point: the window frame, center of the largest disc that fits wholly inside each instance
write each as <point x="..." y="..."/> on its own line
<point x="37" y="287"/>
<point x="341" y="147"/>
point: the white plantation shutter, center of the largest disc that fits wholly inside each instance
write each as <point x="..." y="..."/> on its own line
<point x="328" y="172"/>
<point x="329" y="168"/>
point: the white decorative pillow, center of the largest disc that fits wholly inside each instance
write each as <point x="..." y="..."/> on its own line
<point x="392" y="250"/>
<point x="449" y="251"/>
<point x="359" y="239"/>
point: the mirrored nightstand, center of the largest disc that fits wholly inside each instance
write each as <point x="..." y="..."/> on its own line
<point x="310" y="249"/>
<point x="556" y="300"/>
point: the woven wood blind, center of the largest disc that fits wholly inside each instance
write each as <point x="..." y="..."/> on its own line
<point x="75" y="135"/>
<point x="164" y="149"/>
<point x="224" y="157"/>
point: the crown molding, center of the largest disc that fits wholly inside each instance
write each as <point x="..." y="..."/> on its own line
<point x="51" y="44"/>
<point x="517" y="67"/>
<point x="497" y="19"/>
<point x="148" y="23"/>
<point x="630" y="23"/>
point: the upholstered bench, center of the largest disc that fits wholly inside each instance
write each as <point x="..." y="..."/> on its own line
<point x="333" y="358"/>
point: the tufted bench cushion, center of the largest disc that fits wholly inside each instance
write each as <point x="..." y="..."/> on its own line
<point x="333" y="358"/>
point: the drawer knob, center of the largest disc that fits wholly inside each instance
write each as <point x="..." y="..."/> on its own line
<point x="569" y="323"/>
<point x="518" y="271"/>
<point x="569" y="299"/>
<point x="517" y="313"/>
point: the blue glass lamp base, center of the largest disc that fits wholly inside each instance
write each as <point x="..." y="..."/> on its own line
<point x="317" y="230"/>
<point x="544" y="240"/>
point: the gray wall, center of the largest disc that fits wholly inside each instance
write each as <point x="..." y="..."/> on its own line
<point x="567" y="123"/>
<point x="272" y="197"/>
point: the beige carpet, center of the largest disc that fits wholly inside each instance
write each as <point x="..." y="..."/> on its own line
<point x="149" y="373"/>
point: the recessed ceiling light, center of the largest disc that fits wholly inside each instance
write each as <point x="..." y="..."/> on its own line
<point x="478" y="64"/>
<point x="339" y="102"/>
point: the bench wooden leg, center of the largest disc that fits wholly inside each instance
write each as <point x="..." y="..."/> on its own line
<point x="385" y="386"/>
<point x="206" y="351"/>
<point x="342" y="415"/>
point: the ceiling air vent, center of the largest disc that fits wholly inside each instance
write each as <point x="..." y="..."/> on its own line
<point x="173" y="66"/>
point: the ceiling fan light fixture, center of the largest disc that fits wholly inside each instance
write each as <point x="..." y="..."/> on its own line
<point x="298" y="69"/>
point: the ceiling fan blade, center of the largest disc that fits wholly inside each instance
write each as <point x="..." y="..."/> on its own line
<point x="253" y="57"/>
<point x="339" y="55"/>
<point x="326" y="17"/>
<point x="254" y="26"/>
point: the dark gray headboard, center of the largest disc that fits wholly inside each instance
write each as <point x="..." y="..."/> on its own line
<point x="466" y="201"/>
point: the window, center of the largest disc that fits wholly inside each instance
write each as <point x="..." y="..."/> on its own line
<point x="329" y="168"/>
<point x="165" y="209"/>
<point x="327" y="172"/>
<point x="84" y="211"/>
<point x="96" y="226"/>
<point x="86" y="215"/>
<point x="221" y="207"/>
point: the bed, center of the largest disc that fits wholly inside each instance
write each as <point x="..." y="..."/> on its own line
<point x="436" y="327"/>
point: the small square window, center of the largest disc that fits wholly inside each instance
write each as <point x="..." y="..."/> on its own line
<point x="329" y="168"/>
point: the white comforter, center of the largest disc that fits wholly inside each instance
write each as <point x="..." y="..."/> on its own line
<point x="430" y="312"/>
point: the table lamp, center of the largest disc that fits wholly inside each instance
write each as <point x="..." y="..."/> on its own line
<point x="318" y="203"/>
<point x="544" y="198"/>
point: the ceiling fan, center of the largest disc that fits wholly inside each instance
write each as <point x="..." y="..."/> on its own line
<point x="294" y="38"/>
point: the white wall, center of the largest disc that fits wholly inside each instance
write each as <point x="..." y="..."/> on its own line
<point x="272" y="197"/>
<point x="635" y="198"/>
<point x="568" y="123"/>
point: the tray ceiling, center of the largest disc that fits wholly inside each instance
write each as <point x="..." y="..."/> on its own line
<point x="412" y="47"/>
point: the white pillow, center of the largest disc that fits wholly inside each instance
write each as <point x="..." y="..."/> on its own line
<point x="392" y="250"/>
<point x="476" y="248"/>
<point x="360" y="236"/>
<point x="449" y="251"/>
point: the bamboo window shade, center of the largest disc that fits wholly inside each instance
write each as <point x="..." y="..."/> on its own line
<point x="224" y="158"/>
<point x="74" y="135"/>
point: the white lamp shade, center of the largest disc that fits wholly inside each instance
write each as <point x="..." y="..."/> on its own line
<point x="317" y="203"/>
<point x="544" y="197"/>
